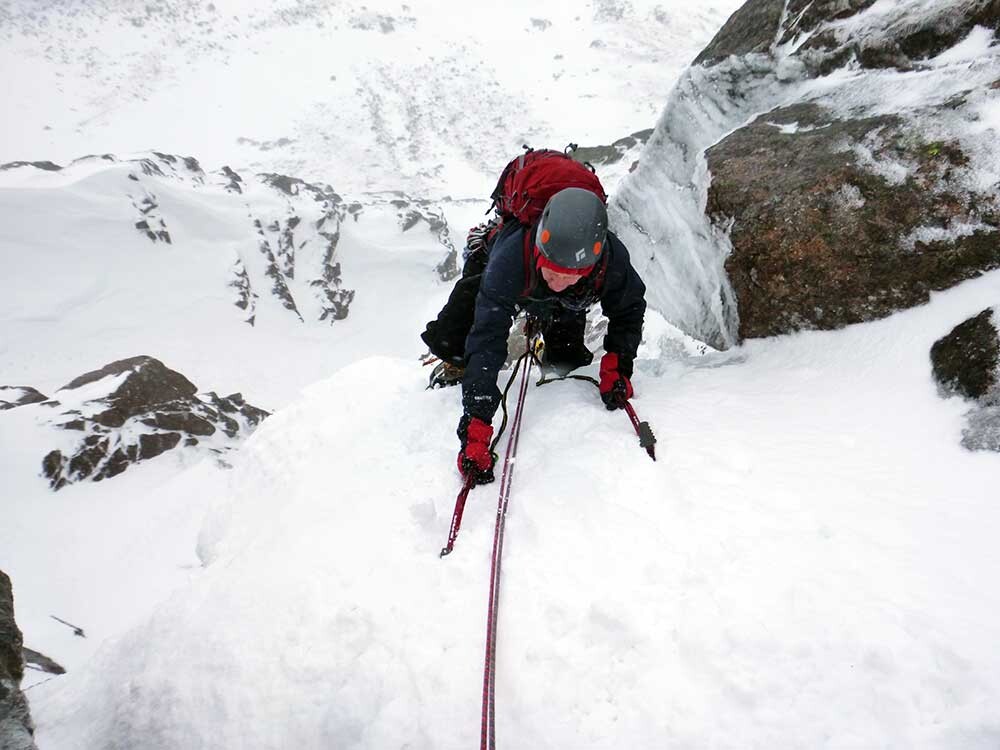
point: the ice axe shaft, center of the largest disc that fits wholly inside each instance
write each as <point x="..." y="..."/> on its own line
<point x="647" y="439"/>
<point x="456" y="517"/>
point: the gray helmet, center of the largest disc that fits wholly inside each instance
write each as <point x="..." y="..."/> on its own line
<point x="573" y="228"/>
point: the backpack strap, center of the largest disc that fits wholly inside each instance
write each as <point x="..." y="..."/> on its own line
<point x="602" y="270"/>
<point x="530" y="273"/>
<point x="497" y="196"/>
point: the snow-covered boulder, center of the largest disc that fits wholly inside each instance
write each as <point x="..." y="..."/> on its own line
<point x="966" y="363"/>
<point x="822" y="163"/>
<point x="136" y="409"/>
<point x="16" y="727"/>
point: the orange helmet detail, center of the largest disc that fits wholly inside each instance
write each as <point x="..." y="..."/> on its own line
<point x="597" y="247"/>
<point x="546" y="236"/>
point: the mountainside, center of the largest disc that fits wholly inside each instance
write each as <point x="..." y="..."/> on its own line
<point x="422" y="96"/>
<point x="275" y="204"/>
<point x="214" y="272"/>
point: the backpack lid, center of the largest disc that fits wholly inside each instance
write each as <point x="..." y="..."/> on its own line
<point x="528" y="182"/>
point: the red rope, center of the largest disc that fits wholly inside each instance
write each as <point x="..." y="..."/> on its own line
<point x="488" y="736"/>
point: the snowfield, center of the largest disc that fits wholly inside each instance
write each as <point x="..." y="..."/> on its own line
<point x="808" y="564"/>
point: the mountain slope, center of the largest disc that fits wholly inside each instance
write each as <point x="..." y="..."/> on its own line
<point x="425" y="97"/>
<point x="792" y="572"/>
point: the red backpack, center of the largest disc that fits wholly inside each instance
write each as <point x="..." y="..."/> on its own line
<point x="527" y="182"/>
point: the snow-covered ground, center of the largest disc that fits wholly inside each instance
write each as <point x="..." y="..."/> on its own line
<point x="423" y="96"/>
<point x="809" y="563"/>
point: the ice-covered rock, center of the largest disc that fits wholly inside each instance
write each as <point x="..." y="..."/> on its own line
<point x="822" y="163"/>
<point x="16" y="727"/>
<point x="838" y="220"/>
<point x="966" y="363"/>
<point x="136" y="409"/>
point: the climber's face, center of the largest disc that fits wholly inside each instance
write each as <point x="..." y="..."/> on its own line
<point x="558" y="281"/>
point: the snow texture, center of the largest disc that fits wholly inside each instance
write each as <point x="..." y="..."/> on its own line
<point x="425" y="97"/>
<point x="792" y="550"/>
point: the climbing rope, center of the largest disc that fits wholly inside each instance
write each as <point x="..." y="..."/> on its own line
<point x="488" y="735"/>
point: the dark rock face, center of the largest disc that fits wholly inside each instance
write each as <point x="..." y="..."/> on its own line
<point x="613" y="153"/>
<point x="149" y="383"/>
<point x="758" y="27"/>
<point x="41" y="662"/>
<point x="750" y="29"/>
<point x="821" y="239"/>
<point x="16" y="727"/>
<point x="12" y="396"/>
<point x="907" y="44"/>
<point x="840" y="210"/>
<point x="151" y="411"/>
<point x="966" y="363"/>
<point x="46" y="166"/>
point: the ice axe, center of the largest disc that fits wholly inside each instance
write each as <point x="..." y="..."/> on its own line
<point x="647" y="439"/>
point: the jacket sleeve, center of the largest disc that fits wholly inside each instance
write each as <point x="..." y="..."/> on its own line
<point x="623" y="301"/>
<point x="486" y="345"/>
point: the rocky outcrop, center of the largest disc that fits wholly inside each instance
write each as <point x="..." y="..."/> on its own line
<point x="16" y="727"/>
<point x="134" y="410"/>
<point x="12" y="396"/>
<point x="836" y="217"/>
<point x="824" y="162"/>
<point x="760" y="25"/>
<point x="966" y="363"/>
<point x="41" y="662"/>
<point x="837" y="221"/>
<point x="616" y="152"/>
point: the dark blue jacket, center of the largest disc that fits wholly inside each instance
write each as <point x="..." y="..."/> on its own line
<point x="501" y="294"/>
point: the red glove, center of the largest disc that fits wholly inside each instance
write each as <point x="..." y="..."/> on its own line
<point x="475" y="459"/>
<point x="615" y="387"/>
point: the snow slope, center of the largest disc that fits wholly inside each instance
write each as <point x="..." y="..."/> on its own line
<point x="425" y="96"/>
<point x="808" y="564"/>
<point x="83" y="283"/>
